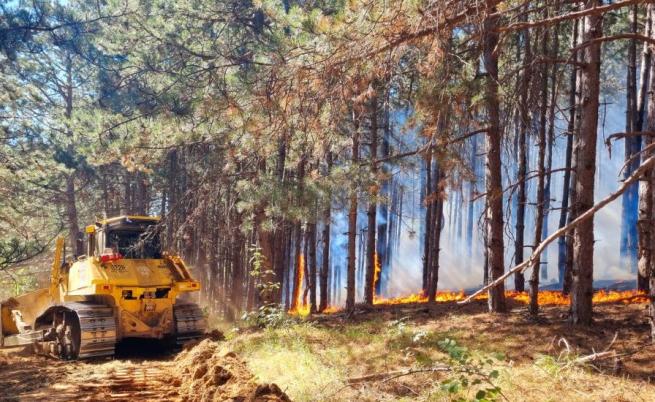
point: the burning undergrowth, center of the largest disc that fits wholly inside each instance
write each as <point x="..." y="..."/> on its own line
<point x="205" y="373"/>
<point x="546" y="298"/>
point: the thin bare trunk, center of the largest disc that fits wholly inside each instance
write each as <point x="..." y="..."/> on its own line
<point x="325" y="257"/>
<point x="311" y="247"/>
<point x="524" y="117"/>
<point x="583" y="250"/>
<point x="541" y="181"/>
<point x="352" y="224"/>
<point x="647" y="184"/>
<point x="564" y="271"/>
<point x="629" y="204"/>
<point x="437" y="225"/>
<point x="495" y="245"/>
<point x="645" y="201"/>
<point x="371" y="250"/>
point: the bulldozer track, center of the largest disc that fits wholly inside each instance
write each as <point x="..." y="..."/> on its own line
<point x="97" y="329"/>
<point x="133" y="382"/>
<point x="190" y="322"/>
<point x="113" y="381"/>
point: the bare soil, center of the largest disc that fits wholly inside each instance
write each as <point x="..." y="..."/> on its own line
<point x="140" y="372"/>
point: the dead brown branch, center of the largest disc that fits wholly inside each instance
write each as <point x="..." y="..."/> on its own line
<point x="570" y="16"/>
<point x="390" y="375"/>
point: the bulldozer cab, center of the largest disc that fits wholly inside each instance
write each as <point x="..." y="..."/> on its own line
<point x="131" y="237"/>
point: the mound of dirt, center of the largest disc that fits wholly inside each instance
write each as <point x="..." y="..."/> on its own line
<point x="206" y="374"/>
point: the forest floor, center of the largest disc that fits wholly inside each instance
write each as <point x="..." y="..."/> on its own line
<point x="369" y="356"/>
<point x="380" y="354"/>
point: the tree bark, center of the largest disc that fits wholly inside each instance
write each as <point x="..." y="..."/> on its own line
<point x="647" y="184"/>
<point x="524" y="117"/>
<point x="70" y="197"/>
<point x="494" y="185"/>
<point x="632" y="147"/>
<point x="311" y="247"/>
<point x="265" y="239"/>
<point x="298" y="268"/>
<point x="645" y="193"/>
<point x="552" y="112"/>
<point x="437" y="225"/>
<point x="583" y="251"/>
<point x="236" y="291"/>
<point x="325" y="257"/>
<point x="565" y="244"/>
<point x="71" y="214"/>
<point x="352" y="224"/>
<point x="429" y="211"/>
<point x="541" y="181"/>
<point x="372" y="260"/>
<point x="172" y="197"/>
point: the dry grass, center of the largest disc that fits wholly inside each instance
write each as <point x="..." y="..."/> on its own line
<point x="312" y="361"/>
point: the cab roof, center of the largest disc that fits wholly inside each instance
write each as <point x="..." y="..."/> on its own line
<point x="128" y="218"/>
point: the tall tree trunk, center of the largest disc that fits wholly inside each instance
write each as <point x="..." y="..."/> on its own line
<point x="564" y="268"/>
<point x="583" y="251"/>
<point x="647" y="183"/>
<point x="70" y="197"/>
<point x="383" y="241"/>
<point x="436" y="200"/>
<point x="126" y="206"/>
<point x="142" y="194"/>
<point x="372" y="259"/>
<point x="267" y="279"/>
<point x="632" y="147"/>
<point x="71" y="215"/>
<point x="236" y="291"/>
<point x="541" y="179"/>
<point x="299" y="268"/>
<point x="311" y="247"/>
<point x="644" y="215"/>
<point x="472" y="192"/>
<point x="172" y="197"/>
<point x="494" y="183"/>
<point x="524" y="120"/>
<point x="352" y="224"/>
<point x="429" y="211"/>
<point x="554" y="53"/>
<point x="325" y="257"/>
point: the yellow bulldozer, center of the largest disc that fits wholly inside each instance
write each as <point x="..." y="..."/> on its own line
<point x="124" y="286"/>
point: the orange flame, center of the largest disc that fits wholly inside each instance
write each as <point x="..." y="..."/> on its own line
<point x="545" y="298"/>
<point x="378" y="269"/>
<point x="297" y="302"/>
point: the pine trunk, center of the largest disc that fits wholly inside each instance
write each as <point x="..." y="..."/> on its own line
<point x="352" y="225"/>
<point x="371" y="251"/>
<point x="437" y="225"/>
<point x="583" y="250"/>
<point x="629" y="199"/>
<point x="541" y="179"/>
<point x="325" y="257"/>
<point x="429" y="211"/>
<point x="524" y="120"/>
<point x="647" y="184"/>
<point x="311" y="247"/>
<point x="645" y="193"/>
<point x="494" y="184"/>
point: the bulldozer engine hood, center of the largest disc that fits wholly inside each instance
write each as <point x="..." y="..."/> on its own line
<point x="122" y="272"/>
